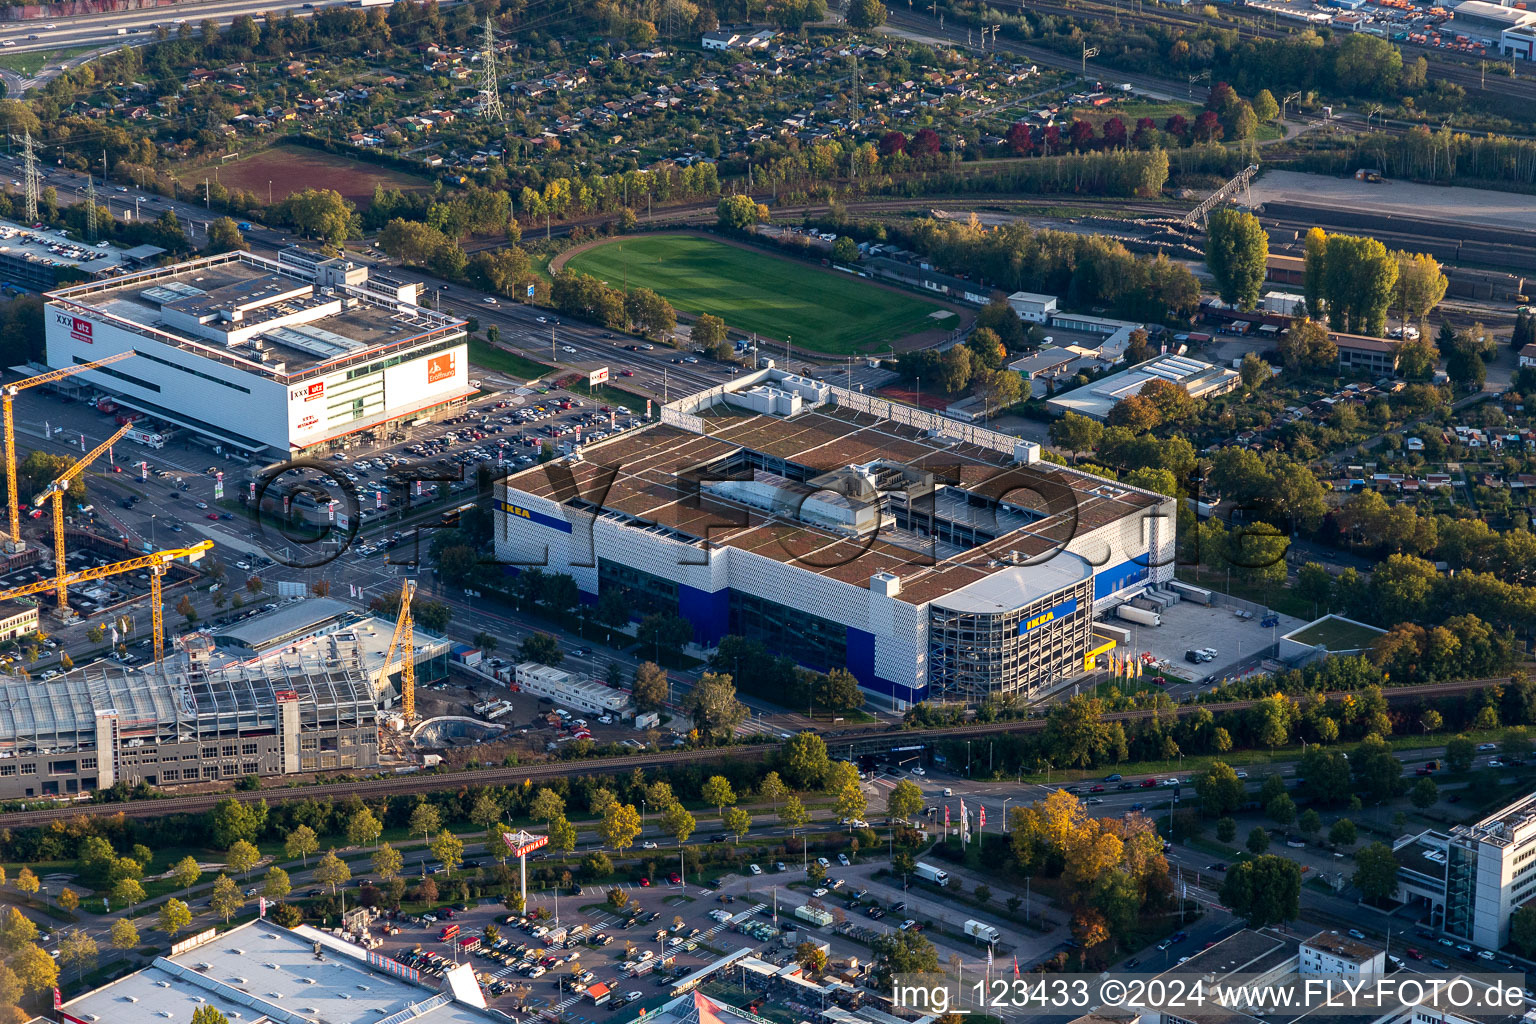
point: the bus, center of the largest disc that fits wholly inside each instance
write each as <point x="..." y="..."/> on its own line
<point x="451" y="517"/>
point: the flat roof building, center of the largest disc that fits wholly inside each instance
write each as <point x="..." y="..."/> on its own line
<point x="1490" y="17"/>
<point x="17" y="619"/>
<point x="928" y="556"/>
<point x="1475" y="878"/>
<point x="1032" y="306"/>
<point x="1329" y="954"/>
<point x="1095" y="400"/>
<point x="269" y="356"/>
<point x="259" y="972"/>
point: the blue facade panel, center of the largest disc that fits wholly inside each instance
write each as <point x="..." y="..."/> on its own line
<point x="1107" y="581"/>
<point x="709" y="613"/>
<point x="861" y="662"/>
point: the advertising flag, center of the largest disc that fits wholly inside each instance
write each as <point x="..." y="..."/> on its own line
<point x="981" y="817"/>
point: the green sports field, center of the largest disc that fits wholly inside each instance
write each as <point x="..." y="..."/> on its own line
<point x="819" y="310"/>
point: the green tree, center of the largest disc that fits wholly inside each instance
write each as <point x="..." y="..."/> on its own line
<point x="736" y="821"/>
<point x="1237" y="255"/>
<point x="905" y="801"/>
<point x="793" y="814"/>
<point x="174" y="916"/>
<point x="425" y="820"/>
<point x="1258" y="840"/>
<point x="79" y="950"/>
<point x="619" y="826"/>
<point x="1076" y="434"/>
<point x="1522" y="929"/>
<point x="562" y="835"/>
<point x="331" y="870"/>
<point x="363" y="828"/>
<point x="1424" y="794"/>
<point x="1375" y="872"/>
<point x="901" y="952"/>
<point x="677" y="822"/>
<point x="35" y="970"/>
<point x="542" y="648"/>
<point x="1226" y="829"/>
<point x="866" y="14"/>
<point x="227" y="899"/>
<point x="277" y="885"/>
<point x="1459" y="752"/>
<point x="224" y="236"/>
<point x="650" y="689"/>
<point x="242" y="856"/>
<point x="301" y="842"/>
<point x="772" y="788"/>
<point x="713" y="705"/>
<point x="547" y="805"/>
<point x="717" y="790"/>
<point x="1265" y="890"/>
<point x="1264" y="106"/>
<point x="125" y="935"/>
<point x="128" y="892"/>
<point x="318" y="213"/>
<point x="1220" y="790"/>
<point x="448" y="849"/>
<point x="1343" y="833"/>
<point x="804" y="759"/>
<point x="739" y="212"/>
<point x="209" y="1015"/>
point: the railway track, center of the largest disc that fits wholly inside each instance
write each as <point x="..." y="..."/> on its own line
<point x="406" y="784"/>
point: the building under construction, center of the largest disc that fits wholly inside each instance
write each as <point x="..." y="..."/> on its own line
<point x="184" y="721"/>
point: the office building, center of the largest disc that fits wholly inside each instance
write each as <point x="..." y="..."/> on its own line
<point x="928" y="556"/>
<point x="1032" y="306"/>
<point x="1472" y="879"/>
<point x="271" y="357"/>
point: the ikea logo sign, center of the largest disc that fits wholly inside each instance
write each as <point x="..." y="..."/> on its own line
<point x="535" y="517"/>
<point x="1061" y="611"/>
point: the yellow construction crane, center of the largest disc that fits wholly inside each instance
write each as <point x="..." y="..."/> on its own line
<point x="7" y="397"/>
<point x="57" y="490"/>
<point x="156" y="562"/>
<point x="404" y="638"/>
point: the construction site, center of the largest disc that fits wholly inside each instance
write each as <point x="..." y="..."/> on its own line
<point x="303" y="686"/>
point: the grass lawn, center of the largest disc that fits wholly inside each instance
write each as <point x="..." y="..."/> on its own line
<point x="484" y="355"/>
<point x="822" y="311"/>
<point x="31" y="62"/>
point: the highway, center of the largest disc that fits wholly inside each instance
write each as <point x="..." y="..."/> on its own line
<point x="138" y="26"/>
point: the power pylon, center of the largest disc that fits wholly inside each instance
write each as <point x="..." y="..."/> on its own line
<point x="29" y="171"/>
<point x="490" y="92"/>
<point x="90" y="208"/>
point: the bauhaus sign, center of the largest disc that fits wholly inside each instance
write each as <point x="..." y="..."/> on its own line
<point x="439" y="367"/>
<point x="79" y="329"/>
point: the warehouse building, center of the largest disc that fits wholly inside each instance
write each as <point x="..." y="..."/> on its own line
<point x="1033" y="307"/>
<point x="1483" y="17"/>
<point x="272" y="357"/>
<point x="183" y="721"/>
<point x="1095" y="400"/>
<point x="928" y="556"/>
<point x="262" y="974"/>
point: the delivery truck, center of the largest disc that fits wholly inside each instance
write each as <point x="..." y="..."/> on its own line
<point x="931" y="873"/>
<point x="983" y="932"/>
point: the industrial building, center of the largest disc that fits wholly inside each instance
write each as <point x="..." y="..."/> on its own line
<point x="272" y="357"/>
<point x="1473" y="879"/>
<point x="1095" y="400"/>
<point x="258" y="972"/>
<point x="1481" y="16"/>
<point x="1375" y="356"/>
<point x="37" y="259"/>
<point x="928" y="556"/>
<point x="183" y="721"/>
<point x="1518" y="42"/>
<point x="588" y="695"/>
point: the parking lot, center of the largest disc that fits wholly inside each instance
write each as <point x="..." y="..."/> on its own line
<point x="1188" y="626"/>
